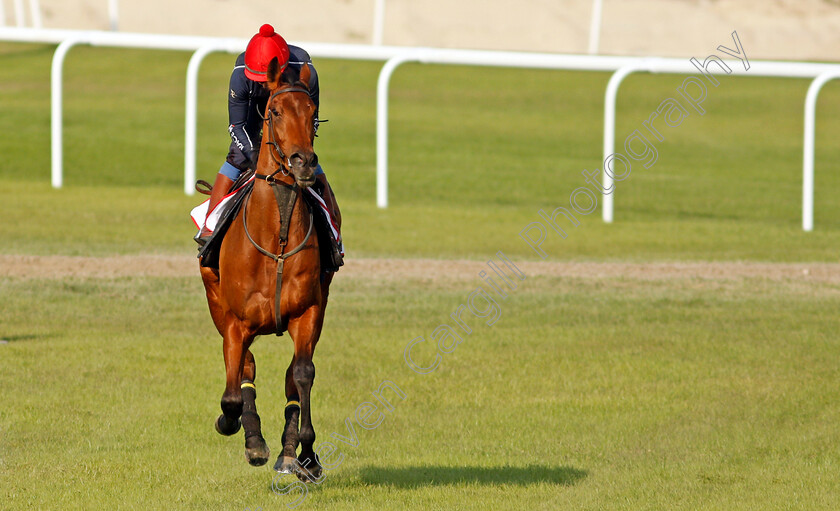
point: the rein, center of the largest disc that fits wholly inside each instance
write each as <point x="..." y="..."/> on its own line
<point x="285" y="195"/>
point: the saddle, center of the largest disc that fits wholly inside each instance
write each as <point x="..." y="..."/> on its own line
<point x="330" y="249"/>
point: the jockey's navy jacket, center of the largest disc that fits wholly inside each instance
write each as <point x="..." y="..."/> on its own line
<point x="246" y="103"/>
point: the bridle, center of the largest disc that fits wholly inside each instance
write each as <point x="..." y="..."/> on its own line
<point x="285" y="195"/>
<point x="283" y="162"/>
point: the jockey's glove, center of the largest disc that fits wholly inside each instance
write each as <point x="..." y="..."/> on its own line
<point x="253" y="158"/>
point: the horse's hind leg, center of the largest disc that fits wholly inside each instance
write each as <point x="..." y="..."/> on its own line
<point x="256" y="450"/>
<point x="286" y="461"/>
<point x="210" y="277"/>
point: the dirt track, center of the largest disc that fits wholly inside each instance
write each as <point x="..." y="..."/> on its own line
<point x="777" y="29"/>
<point x="53" y="267"/>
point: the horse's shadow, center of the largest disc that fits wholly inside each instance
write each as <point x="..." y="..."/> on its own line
<point x="437" y="475"/>
<point x="23" y="337"/>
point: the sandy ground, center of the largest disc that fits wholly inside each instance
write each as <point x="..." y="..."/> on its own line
<point x="51" y="267"/>
<point x="769" y="29"/>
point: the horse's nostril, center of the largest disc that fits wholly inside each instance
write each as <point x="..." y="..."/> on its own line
<point x="296" y="160"/>
<point x="307" y="160"/>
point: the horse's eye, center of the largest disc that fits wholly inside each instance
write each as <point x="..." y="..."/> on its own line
<point x="274" y="112"/>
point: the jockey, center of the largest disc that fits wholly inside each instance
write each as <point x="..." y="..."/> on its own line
<point x="247" y="99"/>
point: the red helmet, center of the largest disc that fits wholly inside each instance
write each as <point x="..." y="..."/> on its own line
<point x="263" y="47"/>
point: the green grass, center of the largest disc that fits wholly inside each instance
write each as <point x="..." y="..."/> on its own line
<point x="711" y="394"/>
<point x="473" y="150"/>
<point x="587" y="394"/>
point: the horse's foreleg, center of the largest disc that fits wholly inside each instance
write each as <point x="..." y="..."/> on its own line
<point x="304" y="375"/>
<point x="256" y="450"/>
<point x="234" y="347"/>
<point x="286" y="460"/>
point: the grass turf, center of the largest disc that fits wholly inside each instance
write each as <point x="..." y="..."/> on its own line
<point x="632" y="394"/>
<point x="475" y="154"/>
<point x="586" y="395"/>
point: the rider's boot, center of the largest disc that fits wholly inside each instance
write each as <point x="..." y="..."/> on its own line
<point x="220" y="188"/>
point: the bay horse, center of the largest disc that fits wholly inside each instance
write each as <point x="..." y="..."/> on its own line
<point x="269" y="244"/>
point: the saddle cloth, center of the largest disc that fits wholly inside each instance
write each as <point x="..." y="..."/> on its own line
<point x="218" y="221"/>
<point x="199" y="213"/>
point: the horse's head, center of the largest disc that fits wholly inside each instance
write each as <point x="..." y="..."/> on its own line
<point x="290" y="122"/>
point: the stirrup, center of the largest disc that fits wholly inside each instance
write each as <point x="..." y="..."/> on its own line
<point x="202" y="240"/>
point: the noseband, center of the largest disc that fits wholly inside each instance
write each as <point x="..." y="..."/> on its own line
<point x="283" y="162"/>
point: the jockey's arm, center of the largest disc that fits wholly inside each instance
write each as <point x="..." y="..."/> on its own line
<point x="239" y="102"/>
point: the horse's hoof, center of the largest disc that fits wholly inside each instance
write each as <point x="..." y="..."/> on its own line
<point x="311" y="477"/>
<point x="286" y="465"/>
<point x="223" y="428"/>
<point x="257" y="451"/>
<point x="309" y="472"/>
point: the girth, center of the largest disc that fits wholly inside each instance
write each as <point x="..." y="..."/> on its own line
<point x="285" y="195"/>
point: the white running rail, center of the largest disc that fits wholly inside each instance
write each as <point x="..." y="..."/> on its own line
<point x="622" y="67"/>
<point x="821" y="73"/>
<point x="396" y="56"/>
<point x="201" y="46"/>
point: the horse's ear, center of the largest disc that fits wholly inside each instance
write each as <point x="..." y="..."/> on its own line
<point x="273" y="73"/>
<point x="305" y="74"/>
